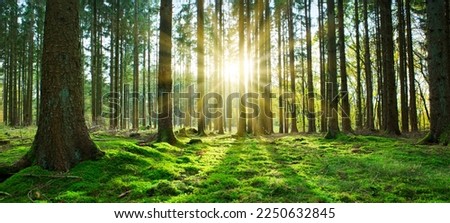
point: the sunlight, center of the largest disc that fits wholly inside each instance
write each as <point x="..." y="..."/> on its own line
<point x="231" y="70"/>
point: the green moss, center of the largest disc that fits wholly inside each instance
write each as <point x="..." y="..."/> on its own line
<point x="294" y="168"/>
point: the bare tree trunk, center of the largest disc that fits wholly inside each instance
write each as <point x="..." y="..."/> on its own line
<point x="165" y="126"/>
<point x="62" y="139"/>
<point x="388" y="63"/>
<point x="242" y="119"/>
<point x="345" y="112"/>
<point x="332" y="92"/>
<point x="359" y="114"/>
<point x="292" y="65"/>
<point x="368" y="71"/>
<point x="412" y="87"/>
<point x="402" y="67"/>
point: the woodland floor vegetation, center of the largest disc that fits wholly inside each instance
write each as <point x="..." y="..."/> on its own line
<point x="221" y="168"/>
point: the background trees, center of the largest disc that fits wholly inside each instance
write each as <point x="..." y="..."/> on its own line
<point x="283" y="49"/>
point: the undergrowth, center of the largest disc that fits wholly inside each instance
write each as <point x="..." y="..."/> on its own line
<point x="293" y="168"/>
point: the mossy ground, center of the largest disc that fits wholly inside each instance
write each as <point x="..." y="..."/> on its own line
<point x="290" y="168"/>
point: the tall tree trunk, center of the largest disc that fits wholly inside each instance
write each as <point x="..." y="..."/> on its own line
<point x="280" y="71"/>
<point x="294" y="128"/>
<point x="28" y="112"/>
<point x="345" y="112"/>
<point x="411" y="72"/>
<point x="402" y="67"/>
<point x="311" y="104"/>
<point x="323" y="75"/>
<point x="389" y="72"/>
<point x="439" y="72"/>
<point x="62" y="139"/>
<point x="359" y="114"/>
<point x="332" y="91"/>
<point x="201" y="65"/>
<point x="368" y="71"/>
<point x="242" y="118"/>
<point x="165" y="102"/>
<point x="135" y="68"/>
<point x="268" y="87"/>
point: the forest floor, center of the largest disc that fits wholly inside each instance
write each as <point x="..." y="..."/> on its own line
<point x="279" y="168"/>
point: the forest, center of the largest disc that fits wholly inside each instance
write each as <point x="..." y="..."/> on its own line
<point x="224" y="101"/>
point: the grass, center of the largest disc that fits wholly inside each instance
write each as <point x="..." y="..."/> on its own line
<point x="292" y="168"/>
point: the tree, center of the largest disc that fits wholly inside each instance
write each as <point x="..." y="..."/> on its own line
<point x="242" y="119"/>
<point x="62" y="139"/>
<point x="333" y="125"/>
<point x="201" y="64"/>
<point x="412" y="86"/>
<point x="391" y="113"/>
<point x="402" y="67"/>
<point x="439" y="73"/>
<point x="135" y="67"/>
<point x="311" y="106"/>
<point x="368" y="71"/>
<point x="346" y="121"/>
<point x="359" y="114"/>
<point x="165" y="126"/>
<point x="292" y="64"/>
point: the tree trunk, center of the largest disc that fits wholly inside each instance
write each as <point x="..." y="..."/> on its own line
<point x="311" y="104"/>
<point x="332" y="91"/>
<point x="368" y="71"/>
<point x="165" y="126"/>
<point x="402" y="67"/>
<point x="135" y="69"/>
<point x="391" y="115"/>
<point x="411" y="72"/>
<point x="242" y="118"/>
<point x="323" y="75"/>
<point x="359" y="115"/>
<point x="294" y="128"/>
<point x="62" y="139"/>
<point x="439" y="72"/>
<point x="345" y="112"/>
<point x="201" y="65"/>
<point x="279" y="69"/>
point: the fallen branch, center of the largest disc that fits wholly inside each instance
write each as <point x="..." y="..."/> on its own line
<point x="52" y="176"/>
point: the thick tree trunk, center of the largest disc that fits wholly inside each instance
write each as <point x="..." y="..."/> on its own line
<point x="165" y="126"/>
<point x="62" y="139"/>
<point x="201" y="65"/>
<point x="391" y="115"/>
<point x="439" y="72"/>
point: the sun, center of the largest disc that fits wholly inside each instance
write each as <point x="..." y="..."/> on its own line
<point x="231" y="70"/>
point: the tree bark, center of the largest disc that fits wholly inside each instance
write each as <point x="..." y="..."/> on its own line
<point x="345" y="112"/>
<point x="311" y="103"/>
<point x="391" y="115"/>
<point x="62" y="139"/>
<point x="402" y="67"/>
<point x="368" y="71"/>
<point x="332" y="91"/>
<point x="359" y="114"/>
<point x="201" y="65"/>
<point x="294" y="128"/>
<point x="439" y="73"/>
<point x="165" y="102"/>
